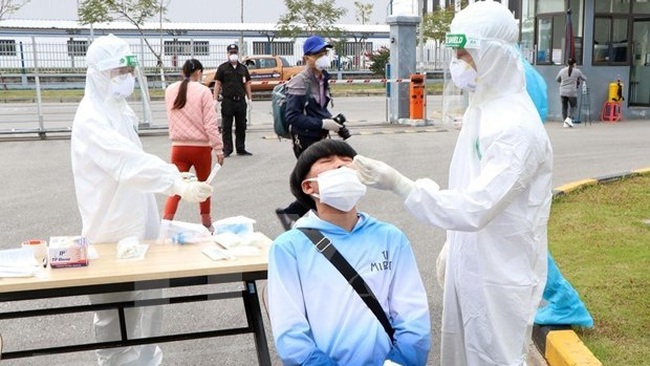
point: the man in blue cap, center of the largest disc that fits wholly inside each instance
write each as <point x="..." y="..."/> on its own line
<point x="308" y="94"/>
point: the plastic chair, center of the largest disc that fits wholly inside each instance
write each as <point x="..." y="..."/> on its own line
<point x="611" y="112"/>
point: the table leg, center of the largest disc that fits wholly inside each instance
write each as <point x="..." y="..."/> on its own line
<point x="254" y="315"/>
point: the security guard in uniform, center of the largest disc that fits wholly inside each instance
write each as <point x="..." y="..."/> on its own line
<point x="232" y="81"/>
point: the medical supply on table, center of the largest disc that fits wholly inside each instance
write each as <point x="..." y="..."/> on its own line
<point x="179" y="232"/>
<point x="19" y="262"/>
<point x="238" y="225"/>
<point x="216" y="254"/>
<point x="39" y="247"/>
<point x="131" y="248"/>
<point x="67" y="251"/>
<point x="213" y="173"/>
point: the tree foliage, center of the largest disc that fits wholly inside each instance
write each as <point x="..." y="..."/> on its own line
<point x="311" y="17"/>
<point x="379" y="59"/>
<point x="136" y="12"/>
<point x="436" y="23"/>
<point x="363" y="11"/>
<point x="8" y="7"/>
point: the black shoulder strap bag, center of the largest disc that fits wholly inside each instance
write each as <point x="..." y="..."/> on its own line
<point x="325" y="247"/>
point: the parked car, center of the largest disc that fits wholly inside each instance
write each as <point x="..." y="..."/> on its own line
<point x="262" y="68"/>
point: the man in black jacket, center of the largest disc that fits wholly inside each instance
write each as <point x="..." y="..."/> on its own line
<point x="232" y="80"/>
<point x="307" y="98"/>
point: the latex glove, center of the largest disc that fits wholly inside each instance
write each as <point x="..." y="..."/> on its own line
<point x="192" y="191"/>
<point x="188" y="177"/>
<point x="377" y="174"/>
<point x="441" y="265"/>
<point x="331" y="125"/>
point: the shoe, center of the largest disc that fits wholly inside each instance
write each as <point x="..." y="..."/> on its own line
<point x="568" y="122"/>
<point x="245" y="153"/>
<point x="225" y="155"/>
<point x="287" y="220"/>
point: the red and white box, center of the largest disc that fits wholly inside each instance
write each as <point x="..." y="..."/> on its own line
<point x="67" y="251"/>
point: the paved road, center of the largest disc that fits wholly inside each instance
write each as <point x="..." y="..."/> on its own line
<point x="38" y="201"/>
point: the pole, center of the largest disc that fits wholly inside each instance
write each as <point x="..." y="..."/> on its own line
<point x="421" y="38"/>
<point x="39" y="100"/>
<point x="241" y="34"/>
<point x="160" y="65"/>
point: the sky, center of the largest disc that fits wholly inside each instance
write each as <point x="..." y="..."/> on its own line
<point x="201" y="11"/>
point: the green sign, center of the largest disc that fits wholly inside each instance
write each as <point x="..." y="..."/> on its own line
<point x="455" y="40"/>
<point x="460" y="40"/>
<point x="131" y="61"/>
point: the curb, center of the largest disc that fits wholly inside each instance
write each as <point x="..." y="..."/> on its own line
<point x="559" y="344"/>
<point x="386" y="129"/>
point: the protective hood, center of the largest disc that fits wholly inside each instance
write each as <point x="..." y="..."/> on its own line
<point x="104" y="54"/>
<point x="489" y="32"/>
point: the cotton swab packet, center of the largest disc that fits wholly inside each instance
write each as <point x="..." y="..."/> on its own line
<point x="213" y="173"/>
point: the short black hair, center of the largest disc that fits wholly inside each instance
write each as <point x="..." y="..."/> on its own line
<point x="313" y="153"/>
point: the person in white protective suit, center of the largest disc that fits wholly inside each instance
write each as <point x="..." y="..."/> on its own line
<point x="496" y="207"/>
<point x="115" y="182"/>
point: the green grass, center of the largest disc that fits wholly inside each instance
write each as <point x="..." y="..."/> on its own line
<point x="600" y="239"/>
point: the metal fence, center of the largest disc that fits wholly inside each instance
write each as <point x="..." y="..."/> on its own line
<point x="36" y="68"/>
<point x="67" y="56"/>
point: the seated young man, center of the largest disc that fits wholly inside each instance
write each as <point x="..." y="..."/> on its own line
<point x="316" y="316"/>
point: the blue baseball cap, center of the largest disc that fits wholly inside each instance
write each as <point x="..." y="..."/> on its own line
<point x="314" y="44"/>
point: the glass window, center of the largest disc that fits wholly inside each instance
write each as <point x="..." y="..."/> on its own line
<point x="549" y="6"/>
<point x="544" y="40"/>
<point x="7" y="47"/>
<point x="77" y="48"/>
<point x="528" y="30"/>
<point x="612" y="6"/>
<point x="641" y="7"/>
<point x="550" y="39"/>
<point x="610" y="40"/>
<point x="273" y="48"/>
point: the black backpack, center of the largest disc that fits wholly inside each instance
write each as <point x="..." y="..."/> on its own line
<point x="279" y="107"/>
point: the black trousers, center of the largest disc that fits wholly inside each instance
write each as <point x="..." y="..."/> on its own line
<point x="233" y="109"/>
<point x="568" y="106"/>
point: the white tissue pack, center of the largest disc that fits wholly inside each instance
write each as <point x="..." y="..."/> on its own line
<point x="67" y="251"/>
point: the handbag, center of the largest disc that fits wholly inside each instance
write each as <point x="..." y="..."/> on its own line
<point x="325" y="247"/>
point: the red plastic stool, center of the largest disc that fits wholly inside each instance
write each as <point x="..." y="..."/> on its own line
<point x="611" y="112"/>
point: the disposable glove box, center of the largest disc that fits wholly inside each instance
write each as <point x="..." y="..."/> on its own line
<point x="67" y="251"/>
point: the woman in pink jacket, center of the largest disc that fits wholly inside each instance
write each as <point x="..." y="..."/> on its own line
<point x="193" y="131"/>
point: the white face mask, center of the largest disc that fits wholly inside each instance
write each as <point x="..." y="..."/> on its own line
<point x="322" y="62"/>
<point x="122" y="85"/>
<point x="339" y="188"/>
<point x="463" y="74"/>
<point x="233" y="57"/>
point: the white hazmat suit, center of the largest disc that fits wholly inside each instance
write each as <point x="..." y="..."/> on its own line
<point x="496" y="207"/>
<point x="114" y="183"/>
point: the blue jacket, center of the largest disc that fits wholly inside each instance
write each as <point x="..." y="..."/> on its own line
<point x="305" y="114"/>
<point x="316" y="316"/>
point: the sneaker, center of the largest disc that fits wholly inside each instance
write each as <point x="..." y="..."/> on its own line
<point x="287" y="220"/>
<point x="568" y="122"/>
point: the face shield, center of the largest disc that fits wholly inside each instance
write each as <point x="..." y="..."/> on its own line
<point x="485" y="34"/>
<point x="458" y="77"/>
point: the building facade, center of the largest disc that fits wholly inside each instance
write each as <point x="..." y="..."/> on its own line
<point x="611" y="39"/>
